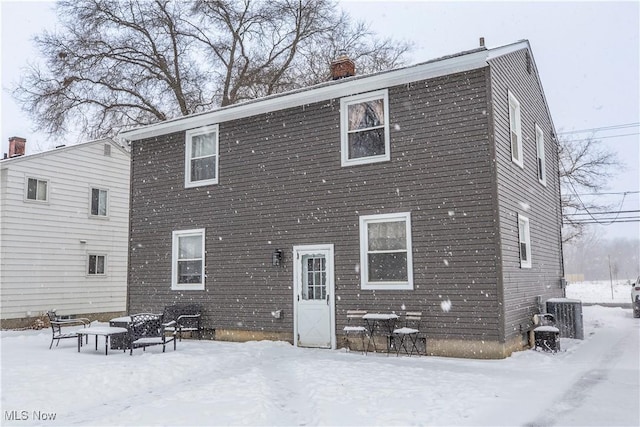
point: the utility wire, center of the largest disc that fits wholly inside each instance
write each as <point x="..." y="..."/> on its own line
<point x="608" y="194"/>
<point x="603" y="213"/>
<point x="623" y="126"/>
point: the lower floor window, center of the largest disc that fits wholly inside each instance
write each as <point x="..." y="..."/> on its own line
<point x="525" y="242"/>
<point x="385" y="251"/>
<point x="97" y="264"/>
<point x="188" y="260"/>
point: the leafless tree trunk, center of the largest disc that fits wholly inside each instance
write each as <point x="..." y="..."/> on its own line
<point x="120" y="63"/>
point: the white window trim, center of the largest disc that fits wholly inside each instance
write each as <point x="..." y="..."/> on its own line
<point x="513" y="102"/>
<point x="364" y="244"/>
<point x="524" y="239"/>
<point x="106" y="260"/>
<point x="174" y="260"/>
<point x="26" y="190"/>
<point x="344" y="128"/>
<point x="187" y="156"/>
<point x="91" y="215"/>
<point x="541" y="167"/>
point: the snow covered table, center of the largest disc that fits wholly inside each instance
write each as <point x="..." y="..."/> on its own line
<point x="105" y="331"/>
<point x="384" y="323"/>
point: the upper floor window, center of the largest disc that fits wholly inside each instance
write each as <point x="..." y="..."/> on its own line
<point x="188" y="260"/>
<point x="515" y="131"/>
<point x="201" y="156"/>
<point x="99" y="202"/>
<point x="385" y="251"/>
<point x="364" y="124"/>
<point x="97" y="265"/>
<point x="542" y="172"/>
<point x="37" y="189"/>
<point x="525" y="242"/>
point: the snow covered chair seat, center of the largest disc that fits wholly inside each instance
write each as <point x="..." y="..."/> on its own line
<point x="58" y="323"/>
<point x="147" y="329"/>
<point x="408" y="334"/>
<point x="186" y="317"/>
<point x="356" y="327"/>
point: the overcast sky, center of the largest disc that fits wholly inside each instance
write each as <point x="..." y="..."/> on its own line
<point x="587" y="54"/>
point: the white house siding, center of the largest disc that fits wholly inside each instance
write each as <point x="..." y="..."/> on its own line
<point x="43" y="262"/>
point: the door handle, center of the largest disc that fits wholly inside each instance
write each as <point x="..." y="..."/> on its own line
<point x="327" y="299"/>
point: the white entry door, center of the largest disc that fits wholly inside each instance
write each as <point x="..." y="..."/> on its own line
<point x="313" y="296"/>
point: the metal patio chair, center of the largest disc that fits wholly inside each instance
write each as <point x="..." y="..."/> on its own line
<point x="408" y="333"/>
<point x="355" y="326"/>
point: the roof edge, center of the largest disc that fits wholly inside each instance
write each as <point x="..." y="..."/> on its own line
<point x="463" y="61"/>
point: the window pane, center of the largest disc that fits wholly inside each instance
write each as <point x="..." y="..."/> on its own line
<point x="95" y="195"/>
<point x="366" y="143"/>
<point x="189" y="272"/>
<point x="514" y="145"/>
<point x="366" y="114"/>
<point x="387" y="236"/>
<point x="523" y="251"/>
<point x="204" y="168"/>
<point x="92" y="264"/>
<point x="388" y="267"/>
<point x="190" y="247"/>
<point x="42" y="190"/>
<point x="32" y="189"/>
<point x="100" y="265"/>
<point x="102" y="204"/>
<point x="203" y="145"/>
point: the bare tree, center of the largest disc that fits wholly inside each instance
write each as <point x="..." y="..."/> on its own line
<point x="585" y="167"/>
<point x="118" y="63"/>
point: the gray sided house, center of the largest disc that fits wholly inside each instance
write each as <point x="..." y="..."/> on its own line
<point x="431" y="188"/>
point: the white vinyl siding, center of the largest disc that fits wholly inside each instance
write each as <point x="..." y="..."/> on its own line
<point x="525" y="241"/>
<point x="188" y="260"/>
<point x="364" y="125"/>
<point x="46" y="246"/>
<point x="542" y="168"/>
<point x="201" y="156"/>
<point x="515" y="131"/>
<point x="385" y="251"/>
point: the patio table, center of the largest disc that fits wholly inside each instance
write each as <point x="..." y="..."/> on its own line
<point x="105" y="331"/>
<point x="120" y="342"/>
<point x="380" y="323"/>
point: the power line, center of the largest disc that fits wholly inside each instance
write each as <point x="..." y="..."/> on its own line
<point x="608" y="194"/>
<point x="623" y="126"/>
<point x="608" y="223"/>
<point x="603" y="213"/>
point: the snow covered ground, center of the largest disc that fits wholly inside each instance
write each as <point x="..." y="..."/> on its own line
<point x="592" y="382"/>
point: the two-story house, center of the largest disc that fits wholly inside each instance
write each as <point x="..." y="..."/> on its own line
<point x="432" y="188"/>
<point x="64" y="222"/>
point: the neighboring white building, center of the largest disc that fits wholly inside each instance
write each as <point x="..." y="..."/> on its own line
<point x="64" y="222"/>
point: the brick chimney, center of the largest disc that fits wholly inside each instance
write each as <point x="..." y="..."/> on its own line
<point x="342" y="67"/>
<point x="16" y="146"/>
